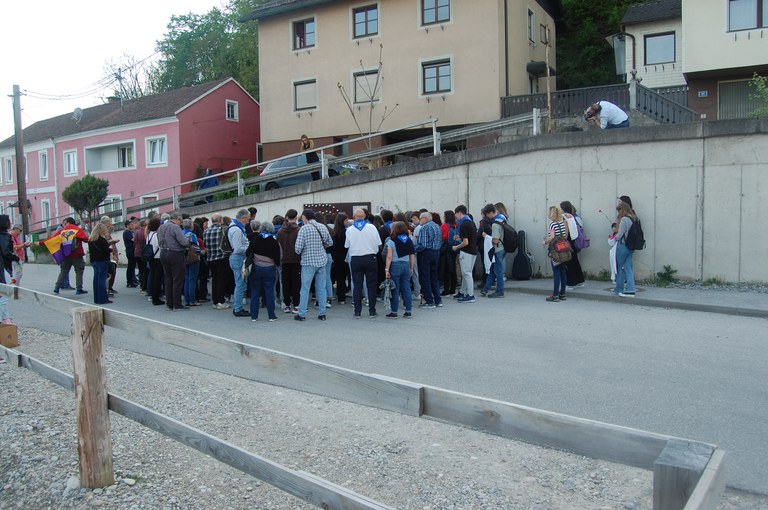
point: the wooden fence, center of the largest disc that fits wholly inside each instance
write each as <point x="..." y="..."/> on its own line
<point x="687" y="474"/>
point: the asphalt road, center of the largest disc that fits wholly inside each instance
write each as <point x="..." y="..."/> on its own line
<point x="689" y="374"/>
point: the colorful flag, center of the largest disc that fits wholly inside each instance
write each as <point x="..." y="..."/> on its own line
<point x="63" y="244"/>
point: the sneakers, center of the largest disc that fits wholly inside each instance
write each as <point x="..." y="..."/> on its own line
<point x="627" y="294"/>
<point x="295" y="309"/>
<point x="458" y="295"/>
<point x="467" y="299"/>
<point x="427" y="306"/>
<point x="483" y="292"/>
<point x="495" y="295"/>
<point x="391" y="315"/>
<point x="562" y="297"/>
<point x="358" y="316"/>
<point x="286" y="309"/>
<point x="81" y="292"/>
<point x="299" y="318"/>
<point x="328" y="304"/>
<point x="553" y="299"/>
<point x="373" y="315"/>
<point x="272" y="319"/>
<point x="439" y="305"/>
<point x="321" y="317"/>
<point x="407" y="315"/>
<point x="55" y="290"/>
<point x="241" y="313"/>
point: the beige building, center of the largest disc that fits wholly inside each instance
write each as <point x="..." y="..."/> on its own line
<point x="713" y="46"/>
<point x="408" y="60"/>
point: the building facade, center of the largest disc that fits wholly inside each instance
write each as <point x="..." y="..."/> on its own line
<point x="408" y="60"/>
<point x="138" y="145"/>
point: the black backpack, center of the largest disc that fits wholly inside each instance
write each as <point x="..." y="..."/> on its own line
<point x="224" y="244"/>
<point x="635" y="239"/>
<point x="147" y="252"/>
<point x="510" y="237"/>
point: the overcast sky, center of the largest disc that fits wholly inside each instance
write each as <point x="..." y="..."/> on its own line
<point x="59" y="48"/>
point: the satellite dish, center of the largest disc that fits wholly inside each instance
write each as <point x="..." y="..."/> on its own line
<point x="77" y="115"/>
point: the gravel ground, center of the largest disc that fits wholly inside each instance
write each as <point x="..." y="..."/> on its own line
<point x="401" y="461"/>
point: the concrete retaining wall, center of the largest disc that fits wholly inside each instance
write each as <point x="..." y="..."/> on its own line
<point x="697" y="188"/>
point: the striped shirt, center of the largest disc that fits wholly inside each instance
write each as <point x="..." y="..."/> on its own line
<point x="558" y="227"/>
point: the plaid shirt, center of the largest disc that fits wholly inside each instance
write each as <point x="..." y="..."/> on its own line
<point x="212" y="241"/>
<point x="430" y="237"/>
<point x="311" y="243"/>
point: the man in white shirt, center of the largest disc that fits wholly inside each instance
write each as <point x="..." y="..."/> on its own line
<point x="606" y="115"/>
<point x="363" y="242"/>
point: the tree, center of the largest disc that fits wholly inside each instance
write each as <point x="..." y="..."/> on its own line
<point x="85" y="195"/>
<point x="584" y="58"/>
<point x="368" y="84"/>
<point x="198" y="48"/>
<point x="134" y="78"/>
<point x="760" y="85"/>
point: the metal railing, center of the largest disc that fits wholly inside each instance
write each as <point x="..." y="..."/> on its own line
<point x="677" y="94"/>
<point x="663" y="109"/>
<point x="566" y="103"/>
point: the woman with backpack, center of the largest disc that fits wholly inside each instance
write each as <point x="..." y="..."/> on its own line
<point x="558" y="231"/>
<point x="575" y="275"/>
<point x="624" y="268"/>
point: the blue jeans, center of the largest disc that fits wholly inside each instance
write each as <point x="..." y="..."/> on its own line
<point x="624" y="124"/>
<point x="328" y="279"/>
<point x="625" y="272"/>
<point x="400" y="272"/>
<point x="560" y="278"/>
<point x="262" y="283"/>
<point x="497" y="273"/>
<point x="190" y="282"/>
<point x="430" y="285"/>
<point x="308" y="273"/>
<point x="236" y="265"/>
<point x="100" y="270"/>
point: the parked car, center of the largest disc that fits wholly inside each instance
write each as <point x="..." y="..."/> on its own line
<point x="289" y="163"/>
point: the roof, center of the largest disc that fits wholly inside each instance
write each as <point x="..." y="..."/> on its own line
<point x="270" y="8"/>
<point x="653" y="11"/>
<point x="158" y="106"/>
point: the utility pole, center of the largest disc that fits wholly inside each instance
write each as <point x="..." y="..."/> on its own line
<point x="20" y="162"/>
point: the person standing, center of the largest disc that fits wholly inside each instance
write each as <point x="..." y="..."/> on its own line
<point x="218" y="262"/>
<point x="191" y="270"/>
<point x="467" y="249"/>
<point x="7" y="257"/>
<point x="307" y="144"/>
<point x="557" y="231"/>
<point x="239" y="242"/>
<point x="400" y="257"/>
<point x="311" y="243"/>
<point x="129" y="235"/>
<point x="139" y="241"/>
<point x="263" y="257"/>
<point x="210" y="181"/>
<point x="156" y="275"/>
<point x="173" y="247"/>
<point x="573" y="267"/>
<point x="363" y="242"/>
<point x="18" y="249"/>
<point x="496" y="275"/>
<point x="70" y="230"/>
<point x="429" y="239"/>
<point x="625" y="272"/>
<point x="290" y="267"/>
<point x="339" y="254"/>
<point x="100" y="252"/>
<point x="606" y="115"/>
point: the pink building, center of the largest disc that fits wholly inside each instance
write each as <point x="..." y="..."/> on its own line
<point x="139" y="146"/>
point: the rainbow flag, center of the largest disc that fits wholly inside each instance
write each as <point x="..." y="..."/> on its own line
<point x="62" y="245"/>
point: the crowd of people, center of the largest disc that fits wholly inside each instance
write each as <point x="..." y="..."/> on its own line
<point x="407" y="259"/>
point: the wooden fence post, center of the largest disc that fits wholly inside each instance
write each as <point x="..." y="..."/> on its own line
<point x="94" y="442"/>
<point x="677" y="471"/>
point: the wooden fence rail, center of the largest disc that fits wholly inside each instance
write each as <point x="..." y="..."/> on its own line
<point x="594" y="439"/>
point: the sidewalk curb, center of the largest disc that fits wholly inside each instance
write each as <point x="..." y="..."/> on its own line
<point x="657" y="303"/>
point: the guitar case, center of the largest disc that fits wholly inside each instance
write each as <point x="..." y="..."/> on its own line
<point x="522" y="266"/>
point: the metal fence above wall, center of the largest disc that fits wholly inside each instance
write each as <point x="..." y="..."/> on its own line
<point x="566" y="103"/>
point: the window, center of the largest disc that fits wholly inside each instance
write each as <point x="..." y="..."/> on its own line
<point x="125" y="156"/>
<point x="8" y="171"/>
<point x="747" y="14"/>
<point x="544" y="34"/>
<point x="156" y="152"/>
<point x="233" y="111"/>
<point x="366" y="21"/>
<point x="436" y="77"/>
<point x="367" y="86"/>
<point x="147" y="199"/>
<point x="659" y="48"/>
<point x="531" y="25"/>
<point x="533" y="84"/>
<point x="43" y="165"/>
<point x="45" y="206"/>
<point x="70" y="163"/>
<point x="435" y="11"/>
<point x="305" y="95"/>
<point x="304" y="34"/>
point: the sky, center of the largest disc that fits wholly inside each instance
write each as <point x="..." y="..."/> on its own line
<point x="59" y="48"/>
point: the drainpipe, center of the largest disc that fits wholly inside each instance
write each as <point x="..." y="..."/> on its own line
<point x="506" y="48"/>
<point x="57" y="192"/>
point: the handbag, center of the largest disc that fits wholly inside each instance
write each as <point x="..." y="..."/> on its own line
<point x="192" y="256"/>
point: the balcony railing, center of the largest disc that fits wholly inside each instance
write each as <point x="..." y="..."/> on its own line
<point x="566" y="103"/>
